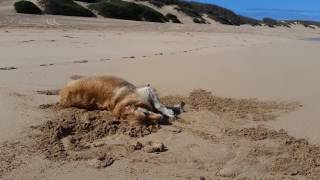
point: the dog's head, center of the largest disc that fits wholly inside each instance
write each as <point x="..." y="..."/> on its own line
<point x="141" y="115"/>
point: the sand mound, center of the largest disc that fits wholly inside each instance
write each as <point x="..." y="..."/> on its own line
<point x="259" y="133"/>
<point x="285" y="154"/>
<point x="74" y="132"/>
<point x="231" y="108"/>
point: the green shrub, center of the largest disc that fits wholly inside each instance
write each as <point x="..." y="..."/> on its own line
<point x="250" y="21"/>
<point x="27" y="7"/>
<point x="199" y="21"/>
<point x="127" y="10"/>
<point x="273" y="23"/>
<point x="88" y="1"/>
<point x="196" y="20"/>
<point x="270" y="22"/>
<point x="161" y="3"/>
<point x="309" y="24"/>
<point x="173" y="18"/>
<point x="66" y="8"/>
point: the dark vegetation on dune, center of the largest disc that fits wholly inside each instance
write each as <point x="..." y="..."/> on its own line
<point x="288" y="23"/>
<point x="309" y="24"/>
<point x="173" y="18"/>
<point x="127" y="10"/>
<point x="27" y="7"/>
<point x="200" y="21"/>
<point x="273" y="23"/>
<point x="88" y="1"/>
<point x="250" y="21"/>
<point x="65" y="7"/>
<point x="196" y="10"/>
<point x="120" y="9"/>
<point x="225" y="16"/>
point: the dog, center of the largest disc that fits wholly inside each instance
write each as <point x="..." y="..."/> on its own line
<point x="123" y="99"/>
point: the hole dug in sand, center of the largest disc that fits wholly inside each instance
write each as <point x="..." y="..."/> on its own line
<point x="73" y="133"/>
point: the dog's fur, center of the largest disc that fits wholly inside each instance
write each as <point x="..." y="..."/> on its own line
<point x="122" y="98"/>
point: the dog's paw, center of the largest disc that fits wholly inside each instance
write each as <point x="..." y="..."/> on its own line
<point x="180" y="107"/>
<point x="170" y="113"/>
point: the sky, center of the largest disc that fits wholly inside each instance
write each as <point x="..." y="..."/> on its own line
<point x="278" y="9"/>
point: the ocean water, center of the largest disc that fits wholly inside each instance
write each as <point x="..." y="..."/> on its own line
<point x="260" y="13"/>
<point x="314" y="39"/>
<point x="282" y="14"/>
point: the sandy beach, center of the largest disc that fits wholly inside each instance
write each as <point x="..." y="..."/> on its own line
<point x="266" y="80"/>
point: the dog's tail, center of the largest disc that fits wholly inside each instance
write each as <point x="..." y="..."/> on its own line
<point x="76" y="77"/>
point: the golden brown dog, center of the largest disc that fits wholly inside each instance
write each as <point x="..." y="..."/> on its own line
<point x="122" y="98"/>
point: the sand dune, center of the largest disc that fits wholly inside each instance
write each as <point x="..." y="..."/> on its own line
<point x="262" y="80"/>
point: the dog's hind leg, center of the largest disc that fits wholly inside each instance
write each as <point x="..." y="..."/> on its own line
<point x="157" y="104"/>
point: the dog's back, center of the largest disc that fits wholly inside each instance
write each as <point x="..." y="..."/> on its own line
<point x="100" y="92"/>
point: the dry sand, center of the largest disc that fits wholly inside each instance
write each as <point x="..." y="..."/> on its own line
<point x="257" y="119"/>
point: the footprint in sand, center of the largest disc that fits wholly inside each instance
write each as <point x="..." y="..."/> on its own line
<point x="45" y="106"/>
<point x="105" y="59"/>
<point x="8" y="68"/>
<point x="81" y="61"/>
<point x="130" y="57"/>
<point x="66" y="36"/>
<point x="46" y="64"/>
<point x="26" y="41"/>
<point x="49" y="92"/>
<point x="76" y="76"/>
